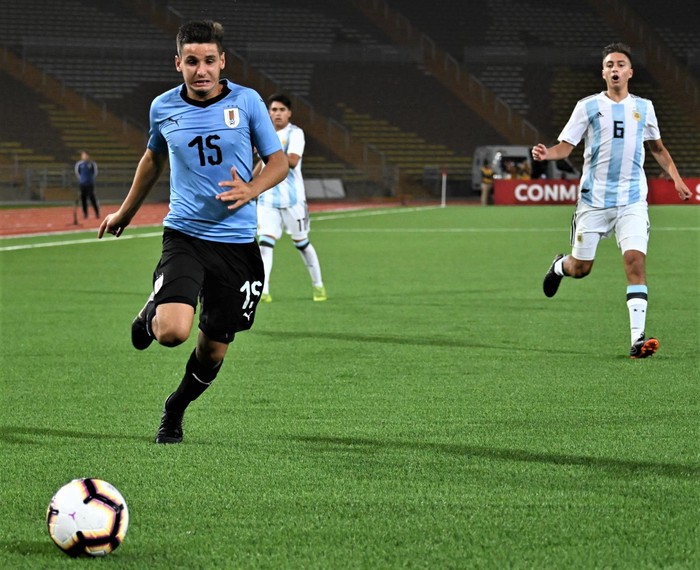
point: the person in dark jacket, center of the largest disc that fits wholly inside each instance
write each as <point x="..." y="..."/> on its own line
<point x="86" y="172"/>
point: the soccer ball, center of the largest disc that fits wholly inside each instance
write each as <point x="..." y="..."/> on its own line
<point x="87" y="517"/>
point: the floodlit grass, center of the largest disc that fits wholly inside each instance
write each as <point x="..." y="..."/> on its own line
<point x="437" y="412"/>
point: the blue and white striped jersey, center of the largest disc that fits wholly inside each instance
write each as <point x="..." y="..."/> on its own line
<point x="614" y="133"/>
<point x="291" y="190"/>
<point x="204" y="139"/>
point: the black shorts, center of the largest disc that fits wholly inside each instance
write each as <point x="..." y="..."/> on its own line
<point x="226" y="278"/>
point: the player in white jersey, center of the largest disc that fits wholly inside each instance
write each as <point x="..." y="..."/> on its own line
<point x="283" y="208"/>
<point x="615" y="126"/>
<point x="205" y="129"/>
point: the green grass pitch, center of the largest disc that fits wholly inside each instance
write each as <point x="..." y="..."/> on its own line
<point x="437" y="412"/>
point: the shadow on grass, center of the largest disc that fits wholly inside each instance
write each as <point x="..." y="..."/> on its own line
<point x="27" y="547"/>
<point x="406" y="340"/>
<point x="24" y="435"/>
<point x="619" y="466"/>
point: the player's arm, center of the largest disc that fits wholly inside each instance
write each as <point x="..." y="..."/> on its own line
<point x="663" y="157"/>
<point x="295" y="147"/>
<point x="292" y="161"/>
<point x="239" y="192"/>
<point x="276" y="170"/>
<point x="259" y="163"/>
<point x="557" y="152"/>
<point x="147" y="173"/>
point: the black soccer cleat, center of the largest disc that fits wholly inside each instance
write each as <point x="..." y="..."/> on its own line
<point x="644" y="347"/>
<point x="170" y="429"/>
<point x="141" y="335"/>
<point x="550" y="285"/>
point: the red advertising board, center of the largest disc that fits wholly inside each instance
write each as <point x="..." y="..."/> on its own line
<point x="549" y="191"/>
<point x="664" y="192"/>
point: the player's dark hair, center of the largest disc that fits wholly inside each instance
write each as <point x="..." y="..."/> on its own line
<point x="618" y="47"/>
<point x="279" y="98"/>
<point x="200" y="32"/>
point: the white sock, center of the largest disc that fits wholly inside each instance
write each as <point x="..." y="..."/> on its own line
<point x="266" y="254"/>
<point x="637" y="306"/>
<point x="638" y="317"/>
<point x="308" y="254"/>
<point x="559" y="266"/>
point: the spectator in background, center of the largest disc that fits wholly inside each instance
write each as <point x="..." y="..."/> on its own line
<point x="86" y="172"/>
<point x="523" y="170"/>
<point x="510" y="171"/>
<point x="615" y="126"/>
<point x="486" y="182"/>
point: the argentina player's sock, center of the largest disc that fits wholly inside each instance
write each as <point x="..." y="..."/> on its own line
<point x="267" y="245"/>
<point x="637" y="305"/>
<point x="308" y="254"/>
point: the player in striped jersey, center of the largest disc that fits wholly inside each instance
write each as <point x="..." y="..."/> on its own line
<point x="615" y="126"/>
<point x="283" y="208"/>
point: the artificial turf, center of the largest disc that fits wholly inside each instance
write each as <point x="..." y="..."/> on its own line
<point x="436" y="412"/>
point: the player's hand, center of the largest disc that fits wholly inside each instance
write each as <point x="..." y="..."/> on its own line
<point x="112" y="224"/>
<point x="683" y="191"/>
<point x="539" y="152"/>
<point x="240" y="192"/>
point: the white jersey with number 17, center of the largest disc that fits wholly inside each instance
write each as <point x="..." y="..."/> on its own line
<point x="613" y="168"/>
<point x="290" y="191"/>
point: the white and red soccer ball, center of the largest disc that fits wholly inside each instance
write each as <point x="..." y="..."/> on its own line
<point x="87" y="517"/>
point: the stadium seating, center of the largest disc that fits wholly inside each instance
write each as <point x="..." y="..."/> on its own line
<point x="679" y="33"/>
<point x="537" y="57"/>
<point x="318" y="36"/>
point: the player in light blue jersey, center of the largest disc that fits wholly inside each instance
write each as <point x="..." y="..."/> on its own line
<point x="283" y="208"/>
<point x="615" y="126"/>
<point x="206" y="129"/>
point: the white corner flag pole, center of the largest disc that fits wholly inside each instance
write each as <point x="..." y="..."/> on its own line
<point x="443" y="199"/>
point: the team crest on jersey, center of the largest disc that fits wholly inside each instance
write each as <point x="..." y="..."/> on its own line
<point x="636" y="116"/>
<point x="232" y="117"/>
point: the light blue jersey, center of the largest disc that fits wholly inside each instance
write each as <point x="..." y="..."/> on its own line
<point x="613" y="168"/>
<point x="204" y="139"/>
<point x="290" y="191"/>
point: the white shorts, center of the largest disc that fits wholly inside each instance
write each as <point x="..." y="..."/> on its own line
<point x="293" y="220"/>
<point x="629" y="223"/>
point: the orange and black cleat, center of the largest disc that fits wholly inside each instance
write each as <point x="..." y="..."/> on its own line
<point x="644" y="347"/>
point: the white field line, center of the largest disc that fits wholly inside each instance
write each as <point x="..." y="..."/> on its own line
<point x="323" y="217"/>
<point x="342" y="213"/>
<point x="78" y="241"/>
